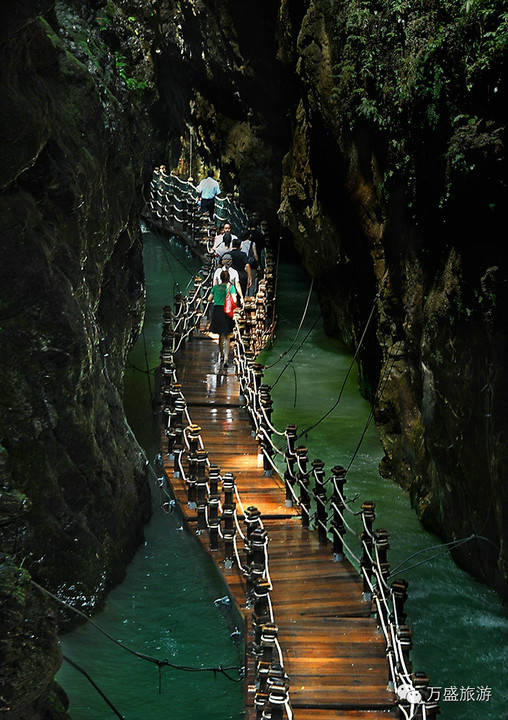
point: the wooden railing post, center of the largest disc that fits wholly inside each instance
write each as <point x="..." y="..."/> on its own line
<point x="192" y="456"/>
<point x="321" y="499"/>
<point x="382" y="545"/>
<point x="338" y="481"/>
<point x="167" y="328"/>
<point x="213" y="533"/>
<point x="228" y="518"/>
<point x="266" y="433"/>
<point x="252" y="516"/>
<point x="303" y="483"/>
<point x="260" y="700"/>
<point x="366" y="537"/>
<point x="405" y="640"/>
<point x="289" y="457"/>
<point x="167" y="375"/>
<point x="277" y="689"/>
<point x="421" y="685"/>
<point x="261" y="612"/>
<point x="177" y="425"/>
<point x="201" y="491"/>
<point x="269" y="633"/>
<point x="178" y="450"/>
<point x="399" y="596"/>
<point x="255" y="561"/>
<point x="191" y="478"/>
<point x="229" y="547"/>
<point x="213" y="506"/>
<point x="213" y="479"/>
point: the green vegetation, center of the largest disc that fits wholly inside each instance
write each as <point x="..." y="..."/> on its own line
<point x="425" y="76"/>
<point x="123" y="69"/>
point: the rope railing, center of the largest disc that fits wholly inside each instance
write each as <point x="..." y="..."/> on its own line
<point x="323" y="508"/>
<point x="173" y="203"/>
<point x="322" y="502"/>
<point x="216" y="509"/>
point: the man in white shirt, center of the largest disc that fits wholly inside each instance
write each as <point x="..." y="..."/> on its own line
<point x="208" y="188"/>
<point x="225" y="264"/>
<point x="218" y="243"/>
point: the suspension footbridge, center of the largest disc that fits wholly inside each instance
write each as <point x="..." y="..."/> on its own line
<point x="324" y="622"/>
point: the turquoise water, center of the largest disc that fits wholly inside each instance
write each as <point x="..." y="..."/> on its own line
<point x="166" y="605"/>
<point x="459" y="626"/>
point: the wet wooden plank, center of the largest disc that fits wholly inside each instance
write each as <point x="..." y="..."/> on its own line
<point x="333" y="653"/>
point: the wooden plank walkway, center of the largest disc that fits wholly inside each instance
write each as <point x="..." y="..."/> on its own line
<point x="333" y="654"/>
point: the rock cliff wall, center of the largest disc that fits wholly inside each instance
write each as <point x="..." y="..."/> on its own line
<point x="74" y="493"/>
<point x="383" y="127"/>
<point x="376" y="129"/>
<point x="394" y="186"/>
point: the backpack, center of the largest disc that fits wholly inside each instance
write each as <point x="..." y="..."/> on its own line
<point x="251" y="259"/>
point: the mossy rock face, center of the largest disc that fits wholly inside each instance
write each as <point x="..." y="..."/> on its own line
<point x="29" y="650"/>
<point x="386" y="136"/>
<point x="73" y="488"/>
<point x="393" y="184"/>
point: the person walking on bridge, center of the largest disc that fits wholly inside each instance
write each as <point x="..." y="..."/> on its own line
<point x="221" y="323"/>
<point x="208" y="188"/>
<point x="221" y="246"/>
<point x="241" y="265"/>
<point x="226" y="262"/>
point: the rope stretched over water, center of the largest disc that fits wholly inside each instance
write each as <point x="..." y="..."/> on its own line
<point x="381" y="387"/>
<point x="175" y="257"/>
<point x="142" y="656"/>
<point x="335" y="404"/>
<point x="452" y="545"/>
<point x="142" y="370"/>
<point x="147" y="365"/>
<point x="296" y="351"/>
<point x="283" y="354"/>
<point x="94" y="684"/>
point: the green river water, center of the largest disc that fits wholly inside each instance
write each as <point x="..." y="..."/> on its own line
<point x="165" y="607"/>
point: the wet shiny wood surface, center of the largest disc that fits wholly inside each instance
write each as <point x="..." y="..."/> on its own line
<point x="333" y="654"/>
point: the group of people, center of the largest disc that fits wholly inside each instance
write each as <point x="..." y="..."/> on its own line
<point x="240" y="263"/>
<point x="240" y="260"/>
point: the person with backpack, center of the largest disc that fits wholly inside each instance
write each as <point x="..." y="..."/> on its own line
<point x="241" y="265"/>
<point x="248" y="246"/>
